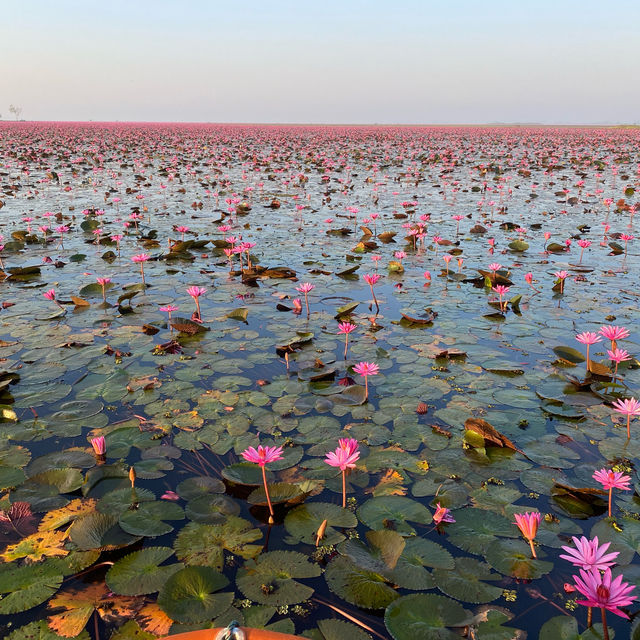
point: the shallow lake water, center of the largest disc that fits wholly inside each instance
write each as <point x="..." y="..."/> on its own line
<point x="483" y="402"/>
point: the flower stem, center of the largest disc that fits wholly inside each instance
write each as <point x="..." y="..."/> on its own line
<point x="605" y="629"/>
<point x="610" y="494"/>
<point x="344" y="488"/>
<point x="589" y="617"/>
<point x="375" y="300"/>
<point x="346" y="344"/>
<point x="266" y="490"/>
<point x="629" y="426"/>
<point x="366" y="388"/>
<point x="533" y="549"/>
<point x="306" y="301"/>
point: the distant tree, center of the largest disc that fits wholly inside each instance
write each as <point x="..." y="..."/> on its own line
<point x="17" y="111"/>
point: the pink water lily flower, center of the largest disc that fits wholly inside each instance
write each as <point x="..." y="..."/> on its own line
<point x="589" y="554"/>
<point x="528" y="524"/>
<point x="561" y="276"/>
<point x="629" y="407"/>
<point x="613" y="333"/>
<point x="140" y="259"/>
<point x="195" y="293"/>
<point x="611" y="480"/>
<point x="263" y="456"/>
<point x="366" y="369"/>
<point x="344" y="457"/>
<point x="99" y="445"/>
<point x="371" y="279"/>
<point x="501" y="290"/>
<point x="306" y="288"/>
<point x="346" y="328"/>
<point x="588" y="338"/>
<point x="51" y="295"/>
<point x="103" y="282"/>
<point x="601" y="591"/>
<point x="618" y="356"/>
<point x="442" y="514"/>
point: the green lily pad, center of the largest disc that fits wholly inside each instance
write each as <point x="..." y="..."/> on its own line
<point x="149" y="518"/>
<point x="99" y="531"/>
<point x="238" y="314"/>
<point x="569" y="354"/>
<point x="473" y="531"/>
<point x="362" y="587"/>
<point x="204" y="544"/>
<point x="270" y="579"/>
<point x="212" y="509"/>
<point x="131" y="630"/>
<point x="199" y="486"/>
<point x="25" y="587"/>
<point x="395" y="513"/>
<point x="465" y="582"/>
<point x="245" y="473"/>
<point x="140" y="572"/>
<point x="303" y="522"/>
<point x="39" y="630"/>
<point x="513" y="558"/>
<point x="333" y="629"/>
<point x="566" y="628"/>
<point x="279" y="493"/>
<point x="424" y="616"/>
<point x="189" y="595"/>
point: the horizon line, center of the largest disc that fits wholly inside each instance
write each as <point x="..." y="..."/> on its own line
<point x="333" y="124"/>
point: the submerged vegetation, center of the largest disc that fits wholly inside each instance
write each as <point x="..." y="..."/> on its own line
<point x="338" y="382"/>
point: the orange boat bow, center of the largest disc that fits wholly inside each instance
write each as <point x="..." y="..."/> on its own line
<point x="250" y="634"/>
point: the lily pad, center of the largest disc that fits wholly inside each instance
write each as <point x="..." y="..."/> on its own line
<point x="204" y="544"/>
<point x="361" y="587"/>
<point x="140" y="572"/>
<point x="395" y="513"/>
<point x="270" y="579"/>
<point x="189" y="595"/>
<point x="149" y="518"/>
<point x="425" y="616"/>
<point x="303" y="522"/>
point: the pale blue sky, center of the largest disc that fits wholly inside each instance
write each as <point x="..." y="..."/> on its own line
<point x="329" y="61"/>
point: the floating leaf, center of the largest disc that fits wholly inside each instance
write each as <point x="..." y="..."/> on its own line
<point x="270" y="578"/>
<point x="149" y="518"/>
<point x="240" y="314"/>
<point x="304" y="521"/>
<point x="204" y="544"/>
<point x="395" y="513"/>
<point x="78" y="604"/>
<point x="488" y="434"/>
<point x="279" y="493"/>
<point x="39" y="545"/>
<point x="245" y="473"/>
<point x="465" y="581"/>
<point x="27" y="586"/>
<point x="199" y="486"/>
<point x="189" y="595"/>
<point x="140" y="572"/>
<point x="99" y="531"/>
<point x="39" y="630"/>
<point x="333" y="629"/>
<point x="569" y="355"/>
<point x="362" y="587"/>
<point x="70" y="512"/>
<point x="513" y="558"/>
<point x="424" y="616"/>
